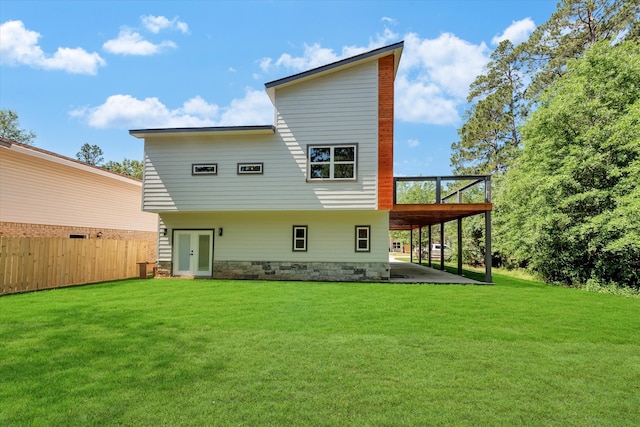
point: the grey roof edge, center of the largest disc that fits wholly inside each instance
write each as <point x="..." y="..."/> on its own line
<point x="336" y="64"/>
<point x="257" y="128"/>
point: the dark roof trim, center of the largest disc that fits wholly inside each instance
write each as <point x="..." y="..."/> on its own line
<point x="336" y="64"/>
<point x="250" y="129"/>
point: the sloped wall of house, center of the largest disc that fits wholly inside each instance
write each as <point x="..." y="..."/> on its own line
<point x="339" y="108"/>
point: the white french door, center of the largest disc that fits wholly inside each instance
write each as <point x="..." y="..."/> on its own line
<point x="193" y="252"/>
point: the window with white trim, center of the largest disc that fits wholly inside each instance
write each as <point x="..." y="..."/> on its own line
<point x="299" y="238"/>
<point x="332" y="162"/>
<point x="363" y="238"/>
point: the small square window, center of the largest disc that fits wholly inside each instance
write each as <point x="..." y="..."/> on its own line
<point x="250" y="168"/>
<point x="363" y="238"/>
<point x="204" y="169"/>
<point x="300" y="238"/>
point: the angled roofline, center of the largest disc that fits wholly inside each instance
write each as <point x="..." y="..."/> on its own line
<point x="376" y="53"/>
<point x="64" y="160"/>
<point x="219" y="130"/>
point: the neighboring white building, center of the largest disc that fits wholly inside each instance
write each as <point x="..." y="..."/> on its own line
<point x="306" y="199"/>
<point x="44" y="194"/>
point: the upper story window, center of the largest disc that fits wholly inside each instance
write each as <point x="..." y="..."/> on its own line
<point x="332" y="162"/>
<point x="204" y="169"/>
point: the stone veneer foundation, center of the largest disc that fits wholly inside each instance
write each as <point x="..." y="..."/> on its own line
<point x="279" y="270"/>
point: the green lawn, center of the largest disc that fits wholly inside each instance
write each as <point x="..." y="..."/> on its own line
<point x="199" y="352"/>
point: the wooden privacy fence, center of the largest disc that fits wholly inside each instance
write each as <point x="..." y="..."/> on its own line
<point x="32" y="263"/>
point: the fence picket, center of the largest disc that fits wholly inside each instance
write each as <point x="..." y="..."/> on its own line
<point x="30" y="263"/>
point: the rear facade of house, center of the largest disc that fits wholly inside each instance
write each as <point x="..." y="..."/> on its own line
<point x="305" y="199"/>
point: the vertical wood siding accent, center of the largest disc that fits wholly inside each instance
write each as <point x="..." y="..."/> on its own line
<point x="267" y="235"/>
<point x="334" y="109"/>
<point x="385" y="132"/>
<point x="37" y="191"/>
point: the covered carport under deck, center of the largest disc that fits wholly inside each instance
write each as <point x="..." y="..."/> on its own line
<point x="412" y="217"/>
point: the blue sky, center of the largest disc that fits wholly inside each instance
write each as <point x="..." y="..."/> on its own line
<point x="88" y="71"/>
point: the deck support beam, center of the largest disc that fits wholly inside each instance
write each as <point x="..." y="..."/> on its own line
<point x="429" y="254"/>
<point x="460" y="246"/>
<point x="487" y="248"/>
<point x="442" y="246"/>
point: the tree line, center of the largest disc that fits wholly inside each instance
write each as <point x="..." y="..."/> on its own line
<point x="93" y="155"/>
<point x="556" y="120"/>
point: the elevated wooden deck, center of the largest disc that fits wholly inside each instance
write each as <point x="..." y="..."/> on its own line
<point x="412" y="216"/>
<point x="415" y="216"/>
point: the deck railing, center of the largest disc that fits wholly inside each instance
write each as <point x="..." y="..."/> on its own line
<point x="475" y="180"/>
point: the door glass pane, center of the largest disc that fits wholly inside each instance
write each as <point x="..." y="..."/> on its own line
<point x="203" y="252"/>
<point x="184" y="251"/>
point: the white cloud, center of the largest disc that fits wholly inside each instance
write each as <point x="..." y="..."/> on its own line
<point x="157" y="23"/>
<point x="517" y="32"/>
<point x="254" y="108"/>
<point x="412" y="143"/>
<point x="128" y="112"/>
<point x="420" y="102"/>
<point x="20" y="47"/>
<point x="434" y="77"/>
<point x="316" y="56"/>
<point x="130" y="42"/>
<point x="200" y="107"/>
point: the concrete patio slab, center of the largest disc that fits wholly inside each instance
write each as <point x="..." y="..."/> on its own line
<point x="405" y="272"/>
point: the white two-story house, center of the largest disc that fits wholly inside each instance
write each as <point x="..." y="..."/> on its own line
<point x="305" y="199"/>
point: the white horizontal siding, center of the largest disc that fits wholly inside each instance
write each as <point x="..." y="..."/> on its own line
<point x="34" y="190"/>
<point x="339" y="108"/>
<point x="267" y="235"/>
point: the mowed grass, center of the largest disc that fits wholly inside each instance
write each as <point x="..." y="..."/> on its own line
<point x="201" y="352"/>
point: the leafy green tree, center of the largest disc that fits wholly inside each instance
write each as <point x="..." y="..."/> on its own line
<point x="573" y="27"/>
<point x="569" y="207"/>
<point x="10" y="128"/>
<point x="90" y="154"/>
<point x="128" y="167"/>
<point x="489" y="139"/>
